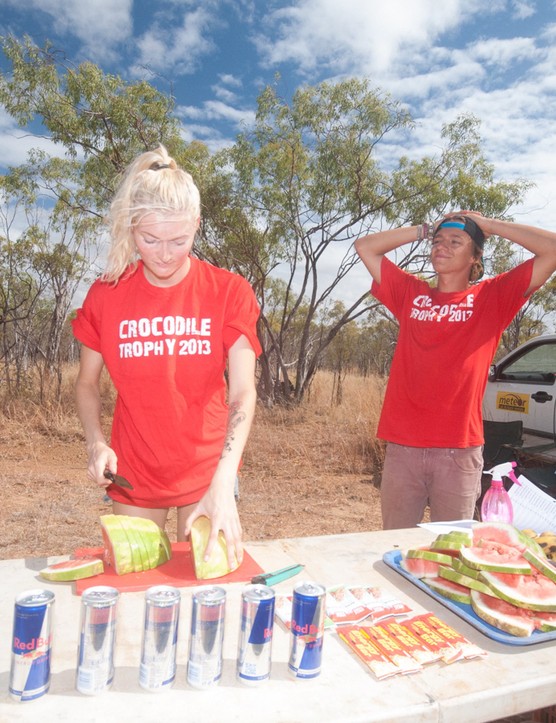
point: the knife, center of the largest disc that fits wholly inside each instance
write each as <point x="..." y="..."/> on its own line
<point x="117" y="479"/>
<point x="271" y="578"/>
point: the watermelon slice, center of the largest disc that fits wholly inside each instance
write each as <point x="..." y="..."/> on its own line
<point x="423" y="562"/>
<point x="448" y="573"/>
<point x="117" y="551"/>
<point x="540" y="563"/>
<point x="502" y="615"/>
<point x="77" y="569"/>
<point x="501" y="532"/>
<point x="532" y="592"/>
<point x="494" y="557"/>
<point x="217" y="565"/>
<point x="134" y="544"/>
<point x="449" y="589"/>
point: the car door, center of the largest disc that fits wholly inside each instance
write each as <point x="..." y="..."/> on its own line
<point x="522" y="386"/>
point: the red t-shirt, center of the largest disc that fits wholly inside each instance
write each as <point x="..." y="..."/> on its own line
<point x="166" y="352"/>
<point x="445" y="346"/>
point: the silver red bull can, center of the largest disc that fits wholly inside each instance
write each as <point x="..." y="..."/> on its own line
<point x="307" y="629"/>
<point x="97" y="639"/>
<point x="255" y="634"/>
<point x="31" y="644"/>
<point x="157" y="670"/>
<point x="204" y="667"/>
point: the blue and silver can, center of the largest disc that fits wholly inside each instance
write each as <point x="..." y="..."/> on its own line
<point x="157" y="670"/>
<point x="31" y="644"/>
<point x="97" y="639"/>
<point x="255" y="634"/>
<point x="204" y="667"/>
<point x="307" y="629"/>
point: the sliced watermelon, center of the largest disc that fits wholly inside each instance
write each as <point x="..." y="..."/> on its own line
<point x="495" y="557"/>
<point x="77" y="569"/>
<point x="449" y="589"/>
<point x="532" y="592"/>
<point x="541" y="563"/>
<point x="448" y="573"/>
<point x="460" y="566"/>
<point x="546" y="622"/>
<point x="501" y="532"/>
<point x="503" y="615"/>
<point x="117" y="551"/>
<point x="422" y="567"/>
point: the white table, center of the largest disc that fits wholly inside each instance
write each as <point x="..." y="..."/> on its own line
<point x="509" y="680"/>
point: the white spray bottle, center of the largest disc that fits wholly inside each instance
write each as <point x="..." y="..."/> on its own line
<point x="497" y="504"/>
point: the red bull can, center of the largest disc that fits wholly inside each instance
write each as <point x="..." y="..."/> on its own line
<point x="307" y="629"/>
<point x="31" y="644"/>
<point x="157" y="670"/>
<point x="255" y="634"/>
<point x="95" y="660"/>
<point x="204" y="668"/>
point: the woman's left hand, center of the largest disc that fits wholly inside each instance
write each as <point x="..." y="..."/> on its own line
<point x="219" y="505"/>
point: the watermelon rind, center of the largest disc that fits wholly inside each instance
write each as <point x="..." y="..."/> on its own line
<point x="472" y="583"/>
<point x="546" y="622"/>
<point x="134" y="545"/>
<point x="478" y="558"/>
<point x="460" y="566"/>
<point x="75" y="569"/>
<point x="512" y="622"/>
<point x="446" y="589"/>
<point x="116" y="543"/>
<point x="532" y="592"/>
<point x="432" y="555"/>
<point x="217" y="565"/>
<point x="541" y="563"/>
<point x="449" y="544"/>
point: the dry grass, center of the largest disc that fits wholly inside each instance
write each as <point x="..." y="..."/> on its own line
<point x="307" y="470"/>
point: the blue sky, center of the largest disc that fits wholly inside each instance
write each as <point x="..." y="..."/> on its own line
<point x="495" y="59"/>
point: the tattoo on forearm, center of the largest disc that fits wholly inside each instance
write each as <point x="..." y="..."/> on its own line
<point x="235" y="417"/>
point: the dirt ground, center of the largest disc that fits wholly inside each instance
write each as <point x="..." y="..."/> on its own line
<point x="49" y="507"/>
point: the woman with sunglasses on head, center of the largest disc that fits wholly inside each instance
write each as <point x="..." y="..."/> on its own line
<point x="448" y="334"/>
<point x="167" y="326"/>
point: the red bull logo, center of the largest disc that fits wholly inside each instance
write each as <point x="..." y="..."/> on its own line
<point x="35" y="644"/>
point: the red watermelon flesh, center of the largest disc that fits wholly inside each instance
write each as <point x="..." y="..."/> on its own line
<point x="503" y="615"/>
<point x="500" y="532"/>
<point x="420" y="567"/>
<point x="533" y="592"/>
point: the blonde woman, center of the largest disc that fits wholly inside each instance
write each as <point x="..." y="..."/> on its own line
<point x="448" y="334"/>
<point x="167" y="326"/>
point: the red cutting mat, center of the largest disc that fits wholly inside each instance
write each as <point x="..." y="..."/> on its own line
<point x="178" y="572"/>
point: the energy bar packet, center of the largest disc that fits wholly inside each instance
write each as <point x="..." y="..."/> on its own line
<point x="360" y="643"/>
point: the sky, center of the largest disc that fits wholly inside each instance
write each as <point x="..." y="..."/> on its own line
<point x="495" y="59"/>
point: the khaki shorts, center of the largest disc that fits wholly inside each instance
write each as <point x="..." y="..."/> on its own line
<point x="446" y="479"/>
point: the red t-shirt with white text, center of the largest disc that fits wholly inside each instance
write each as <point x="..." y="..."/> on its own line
<point x="445" y="346"/>
<point x="166" y="350"/>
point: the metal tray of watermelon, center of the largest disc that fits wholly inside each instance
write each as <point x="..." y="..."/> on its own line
<point x="466" y="612"/>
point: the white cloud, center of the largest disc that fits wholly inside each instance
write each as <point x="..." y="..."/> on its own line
<point x="100" y="25"/>
<point x="361" y="35"/>
<point x="178" y="47"/>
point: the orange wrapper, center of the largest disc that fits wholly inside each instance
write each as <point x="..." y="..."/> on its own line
<point x="467" y="648"/>
<point x="413" y="645"/>
<point x="420" y="627"/>
<point x="389" y="646"/>
<point x="358" y="640"/>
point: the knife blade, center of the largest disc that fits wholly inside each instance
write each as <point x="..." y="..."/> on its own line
<point x="117" y="479"/>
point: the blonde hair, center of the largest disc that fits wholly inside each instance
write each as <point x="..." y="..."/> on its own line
<point x="152" y="183"/>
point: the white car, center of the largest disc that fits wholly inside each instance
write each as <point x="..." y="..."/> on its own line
<point x="522" y="386"/>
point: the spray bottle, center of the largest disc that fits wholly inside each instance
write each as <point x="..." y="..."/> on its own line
<point x="497" y="504"/>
